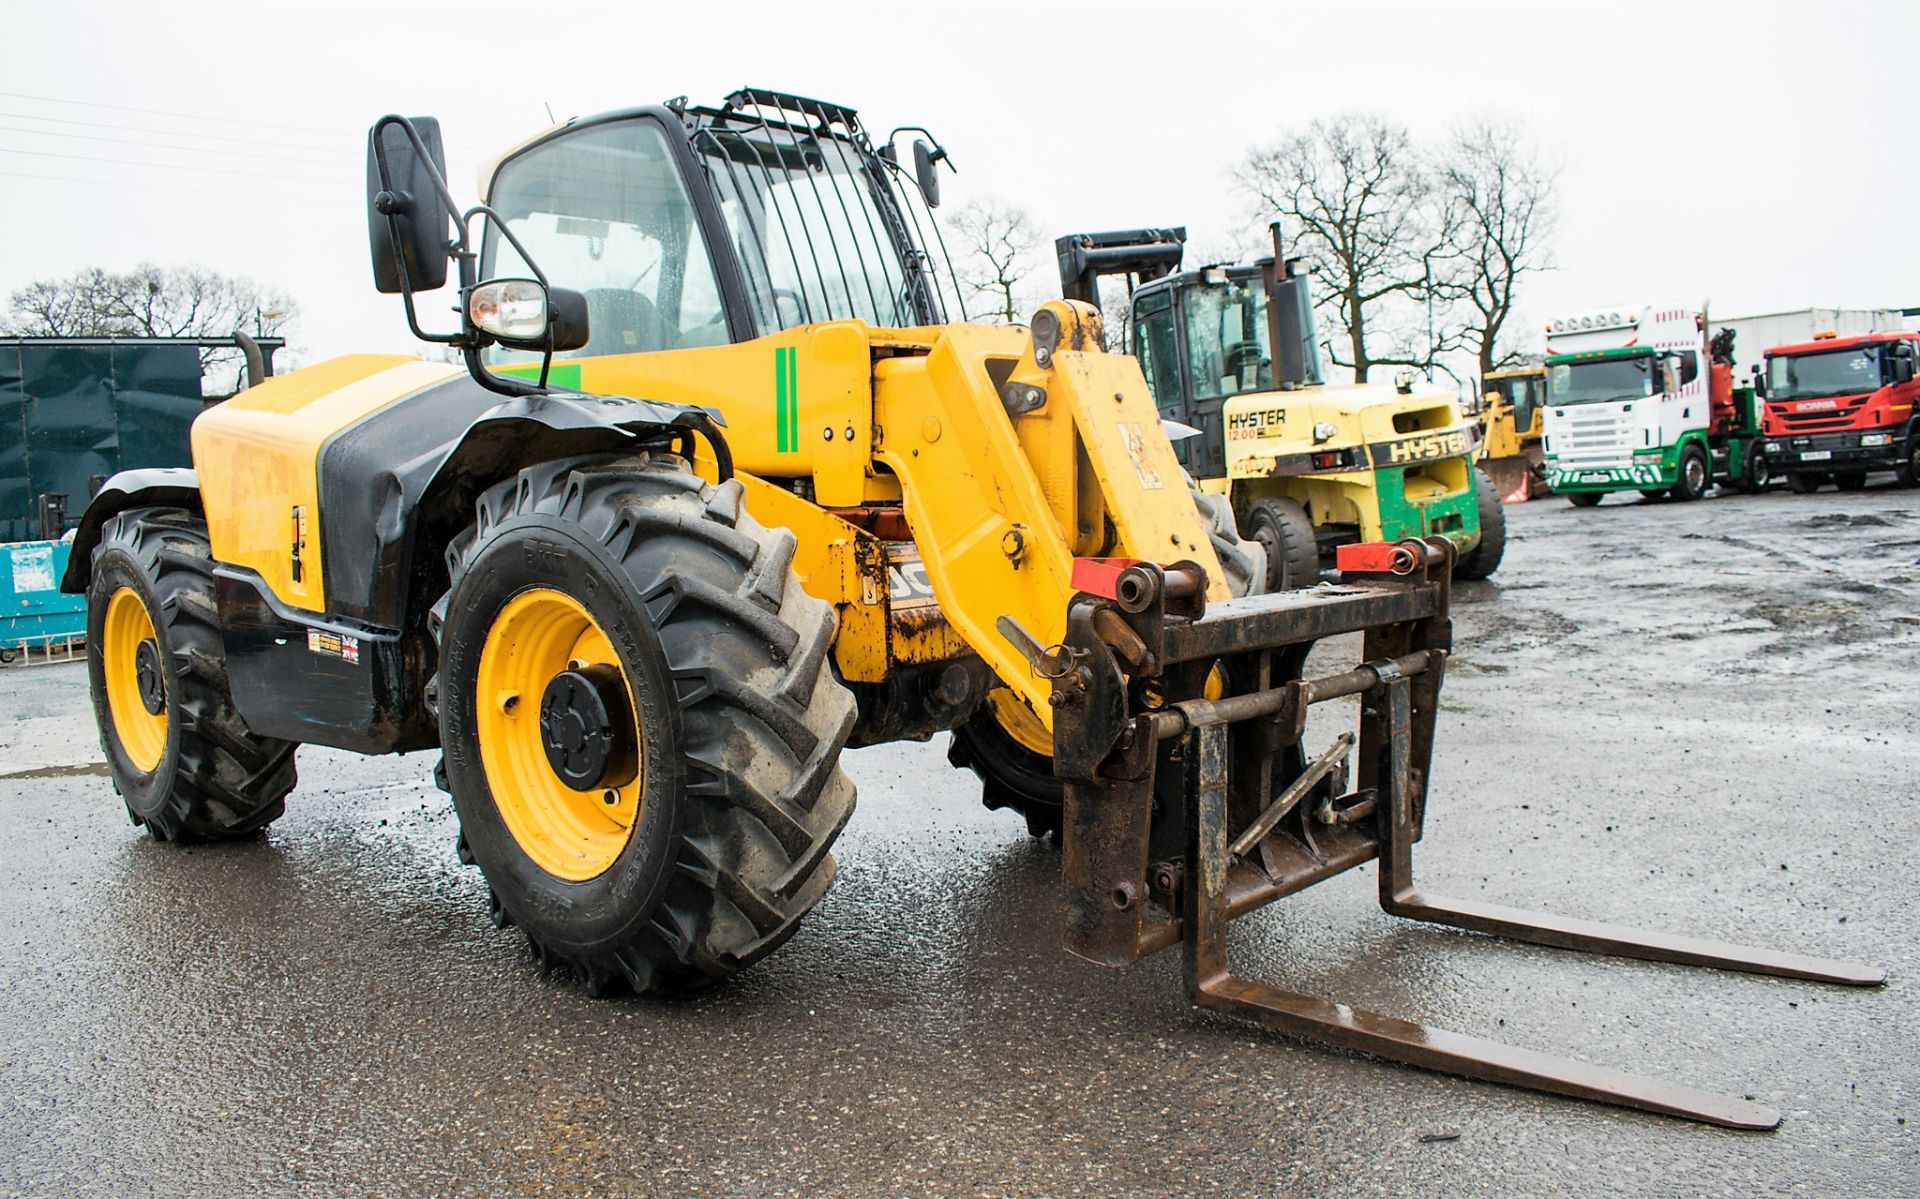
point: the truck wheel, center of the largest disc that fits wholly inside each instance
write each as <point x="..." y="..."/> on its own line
<point x="1585" y="499"/>
<point x="1856" y="481"/>
<point x="1012" y="752"/>
<point x="1696" y="475"/>
<point x="1485" y="557"/>
<point x="182" y="759"/>
<point x="1907" y="472"/>
<point x="638" y="722"/>
<point x="1758" y="472"/>
<point x="1805" y="484"/>
<point x="1653" y="496"/>
<point x="1282" y="528"/>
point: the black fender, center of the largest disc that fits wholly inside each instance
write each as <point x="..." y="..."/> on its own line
<point x="154" y="487"/>
<point x="396" y="486"/>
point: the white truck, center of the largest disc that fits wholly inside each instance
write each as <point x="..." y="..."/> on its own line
<point x="1640" y="399"/>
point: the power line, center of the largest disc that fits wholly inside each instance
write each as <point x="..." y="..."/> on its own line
<point x="214" y="137"/>
<point x="189" y="116"/>
<point x="165" y="166"/>
<point x="165" y="187"/>
<point x="134" y="141"/>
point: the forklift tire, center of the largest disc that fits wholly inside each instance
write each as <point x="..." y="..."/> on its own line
<point x="658" y="814"/>
<point x="1484" y="559"/>
<point x="1282" y="527"/>
<point x="1757" y="472"/>
<point x="180" y="755"/>
<point x="1015" y="764"/>
<point x="1855" y="481"/>
<point x="1805" y="484"/>
<point x="1695" y="476"/>
<point x="1585" y="499"/>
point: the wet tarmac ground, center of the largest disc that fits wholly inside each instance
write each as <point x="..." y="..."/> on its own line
<point x="1704" y="718"/>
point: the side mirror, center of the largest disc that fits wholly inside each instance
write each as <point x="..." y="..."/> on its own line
<point x="1903" y="370"/>
<point x="925" y="158"/>
<point x="407" y="223"/>
<point x="521" y="314"/>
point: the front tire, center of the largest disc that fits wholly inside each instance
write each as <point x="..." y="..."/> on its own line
<point x="1907" y="471"/>
<point x="1856" y="481"/>
<point x="1801" y="483"/>
<point x="1585" y="499"/>
<point x="1695" y="475"/>
<point x="658" y="815"/>
<point x="1284" y="530"/>
<point x="180" y="755"/>
<point x="1485" y="558"/>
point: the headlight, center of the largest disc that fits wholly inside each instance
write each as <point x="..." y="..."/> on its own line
<point x="509" y="309"/>
<point x="1646" y="455"/>
<point x="1324" y="431"/>
<point x="1871" y="439"/>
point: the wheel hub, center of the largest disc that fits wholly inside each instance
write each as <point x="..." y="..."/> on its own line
<point x="586" y="728"/>
<point x="147" y="675"/>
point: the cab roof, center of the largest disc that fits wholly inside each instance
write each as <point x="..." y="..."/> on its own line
<point x="1822" y="344"/>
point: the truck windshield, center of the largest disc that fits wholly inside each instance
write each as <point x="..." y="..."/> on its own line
<point x="1599" y="380"/>
<point x="1227" y="350"/>
<point x="1823" y="374"/>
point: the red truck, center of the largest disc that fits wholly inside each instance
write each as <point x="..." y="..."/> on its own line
<point x="1838" y="407"/>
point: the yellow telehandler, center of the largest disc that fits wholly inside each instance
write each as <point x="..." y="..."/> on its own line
<point x="724" y="486"/>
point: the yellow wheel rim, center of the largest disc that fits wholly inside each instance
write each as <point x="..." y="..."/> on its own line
<point x="1020" y="722"/>
<point x="135" y="680"/>
<point x="573" y="835"/>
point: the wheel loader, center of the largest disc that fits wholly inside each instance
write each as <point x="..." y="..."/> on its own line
<point x="725" y="484"/>
<point x="1510" y="432"/>
<point x="1307" y="466"/>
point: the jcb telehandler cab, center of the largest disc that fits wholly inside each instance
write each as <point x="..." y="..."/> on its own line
<point x="724" y="488"/>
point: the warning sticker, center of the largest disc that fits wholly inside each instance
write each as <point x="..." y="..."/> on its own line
<point x="32" y="568"/>
<point x="1136" y="442"/>
<point x="334" y="645"/>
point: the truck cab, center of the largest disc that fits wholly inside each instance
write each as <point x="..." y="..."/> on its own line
<point x="1839" y="407"/>
<point x="1637" y="400"/>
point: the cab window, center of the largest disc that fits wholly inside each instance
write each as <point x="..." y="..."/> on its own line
<point x="604" y="212"/>
<point x="1154" y="344"/>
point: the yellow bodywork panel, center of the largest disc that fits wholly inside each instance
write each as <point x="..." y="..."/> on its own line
<point x="258" y="455"/>
<point x="797" y="404"/>
<point x="1503" y="436"/>
<point x="998" y="529"/>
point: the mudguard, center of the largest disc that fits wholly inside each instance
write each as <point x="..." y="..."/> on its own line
<point x="169" y="487"/>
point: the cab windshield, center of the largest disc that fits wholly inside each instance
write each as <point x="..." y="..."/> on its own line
<point x="819" y="228"/>
<point x="1599" y="380"/>
<point x="1227" y="352"/>
<point x="1823" y="375"/>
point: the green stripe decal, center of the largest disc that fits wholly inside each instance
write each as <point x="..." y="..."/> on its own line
<point x="786" y="407"/>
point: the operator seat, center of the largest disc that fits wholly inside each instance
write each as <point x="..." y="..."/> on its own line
<point x="620" y="321"/>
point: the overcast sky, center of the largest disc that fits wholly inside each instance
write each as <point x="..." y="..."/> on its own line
<point x="1761" y="154"/>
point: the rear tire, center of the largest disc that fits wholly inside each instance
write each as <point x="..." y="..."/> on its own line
<point x="736" y="720"/>
<point x="1758" y="472"/>
<point x="1653" y="496"/>
<point x="1283" y="529"/>
<point x="1695" y="475"/>
<point x="1585" y="499"/>
<point x="180" y="755"/>
<point x="1485" y="558"/>
<point x="1851" y="482"/>
<point x="1804" y="484"/>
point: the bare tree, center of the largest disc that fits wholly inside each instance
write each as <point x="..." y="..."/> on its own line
<point x="151" y="301"/>
<point x="996" y="242"/>
<point x="1502" y="198"/>
<point x="1357" y="194"/>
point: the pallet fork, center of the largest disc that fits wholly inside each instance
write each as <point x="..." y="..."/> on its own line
<point x="1225" y="843"/>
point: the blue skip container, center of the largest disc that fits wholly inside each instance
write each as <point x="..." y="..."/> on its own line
<point x="34" y="612"/>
